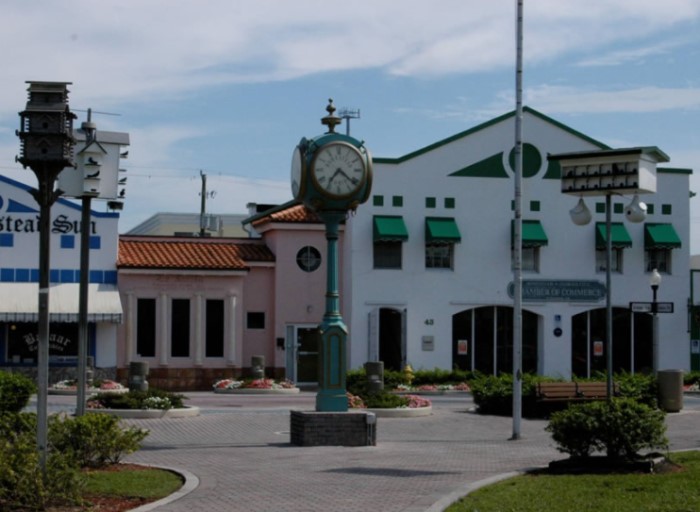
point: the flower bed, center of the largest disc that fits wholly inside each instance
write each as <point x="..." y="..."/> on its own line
<point x="153" y="403"/>
<point x="411" y="406"/>
<point x="70" y="387"/>
<point x="255" y="386"/>
<point x="431" y="389"/>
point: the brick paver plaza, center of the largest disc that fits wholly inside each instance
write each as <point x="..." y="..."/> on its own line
<point x="238" y="455"/>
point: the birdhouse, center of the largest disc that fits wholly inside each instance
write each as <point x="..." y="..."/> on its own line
<point x="46" y="129"/>
<point x="619" y="171"/>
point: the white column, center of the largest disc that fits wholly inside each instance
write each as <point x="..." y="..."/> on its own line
<point x="129" y="328"/>
<point x="199" y="337"/>
<point x="164" y="331"/>
<point x="232" y="312"/>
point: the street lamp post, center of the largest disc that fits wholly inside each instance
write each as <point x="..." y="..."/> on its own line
<point x="655" y="281"/>
<point x="46" y="145"/>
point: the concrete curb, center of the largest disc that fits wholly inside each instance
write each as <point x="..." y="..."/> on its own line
<point x="142" y="414"/>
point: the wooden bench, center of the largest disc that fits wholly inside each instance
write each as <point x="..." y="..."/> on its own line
<point x="572" y="391"/>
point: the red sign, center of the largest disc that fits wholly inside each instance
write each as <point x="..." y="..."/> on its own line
<point x="598" y="348"/>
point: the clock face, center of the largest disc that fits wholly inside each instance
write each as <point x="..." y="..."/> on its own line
<point x="296" y="173"/>
<point x="339" y="169"/>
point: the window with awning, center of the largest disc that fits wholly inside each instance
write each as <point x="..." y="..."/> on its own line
<point x="661" y="236"/>
<point x="441" y="230"/>
<point x="389" y="228"/>
<point x="532" y="234"/>
<point x="619" y="237"/>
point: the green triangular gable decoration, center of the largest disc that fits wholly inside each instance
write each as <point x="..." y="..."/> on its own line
<point x="491" y="167"/>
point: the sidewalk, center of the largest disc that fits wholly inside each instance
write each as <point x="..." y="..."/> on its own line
<point x="239" y="450"/>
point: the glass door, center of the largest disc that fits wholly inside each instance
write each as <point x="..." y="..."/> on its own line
<point x="307" y="342"/>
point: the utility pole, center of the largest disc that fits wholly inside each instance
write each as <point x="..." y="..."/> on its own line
<point x="203" y="211"/>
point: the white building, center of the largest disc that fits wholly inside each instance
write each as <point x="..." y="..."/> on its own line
<point x="430" y="260"/>
<point x="19" y="289"/>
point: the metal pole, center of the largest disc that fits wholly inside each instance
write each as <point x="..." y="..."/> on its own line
<point x="655" y="330"/>
<point x="83" y="304"/>
<point x="203" y="208"/>
<point x="45" y="199"/>
<point x="517" y="229"/>
<point x="608" y="297"/>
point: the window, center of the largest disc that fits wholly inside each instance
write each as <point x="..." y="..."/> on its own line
<point x="659" y="259"/>
<point x="439" y="255"/>
<point x="430" y="202"/>
<point x="534" y="206"/>
<point x="530" y="261"/>
<point x="378" y="200"/>
<point x="666" y="209"/>
<point x="180" y="328"/>
<point x="397" y="201"/>
<point x="308" y="258"/>
<point x="387" y="254"/>
<point x="146" y="327"/>
<point x="449" y="203"/>
<point x="214" y="325"/>
<point x="255" y="320"/>
<point x="616" y="259"/>
<point x="23" y="338"/>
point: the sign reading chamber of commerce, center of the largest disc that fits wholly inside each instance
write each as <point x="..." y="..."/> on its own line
<point x="547" y="290"/>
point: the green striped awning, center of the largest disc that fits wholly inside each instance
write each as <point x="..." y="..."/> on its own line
<point x="389" y="228"/>
<point x="442" y="230"/>
<point x="620" y="238"/>
<point x="661" y="236"/>
<point x="532" y="234"/>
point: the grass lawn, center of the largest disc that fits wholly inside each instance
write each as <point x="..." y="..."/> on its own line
<point x="675" y="490"/>
<point x="123" y="487"/>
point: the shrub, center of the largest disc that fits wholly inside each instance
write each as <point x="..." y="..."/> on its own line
<point x="641" y="387"/>
<point x="621" y="427"/>
<point x="691" y="378"/>
<point x="15" y="391"/>
<point x="494" y="394"/>
<point x="136" y="400"/>
<point x="94" y="440"/>
<point x="385" y="400"/>
<point x="13" y="424"/>
<point x="22" y="484"/>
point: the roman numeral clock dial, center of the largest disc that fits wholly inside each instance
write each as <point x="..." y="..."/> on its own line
<point x="338" y="169"/>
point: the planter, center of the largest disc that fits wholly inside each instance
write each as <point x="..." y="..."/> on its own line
<point x="402" y="412"/>
<point x="256" y="391"/>
<point x="185" y="412"/>
<point x="89" y="391"/>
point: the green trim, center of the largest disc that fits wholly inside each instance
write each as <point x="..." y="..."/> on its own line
<point x="389" y="228"/>
<point x="491" y="167"/>
<point x="532" y="234"/>
<point x="532" y="160"/>
<point x="442" y="230"/>
<point x="553" y="171"/>
<point x="658" y="155"/>
<point x="483" y="126"/>
<point x="619" y="235"/>
<point x="661" y="236"/>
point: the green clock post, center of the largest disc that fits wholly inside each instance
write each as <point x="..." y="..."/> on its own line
<point x="331" y="175"/>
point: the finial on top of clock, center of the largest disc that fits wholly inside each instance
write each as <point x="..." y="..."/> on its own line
<point x="331" y="120"/>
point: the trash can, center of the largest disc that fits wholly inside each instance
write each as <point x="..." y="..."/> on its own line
<point x="375" y="376"/>
<point x="138" y="372"/>
<point x="670" y="390"/>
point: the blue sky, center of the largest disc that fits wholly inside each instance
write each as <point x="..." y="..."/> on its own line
<point x="228" y="87"/>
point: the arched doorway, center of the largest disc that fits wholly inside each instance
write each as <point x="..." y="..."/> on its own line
<point x="632" y="342"/>
<point x="482" y="340"/>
